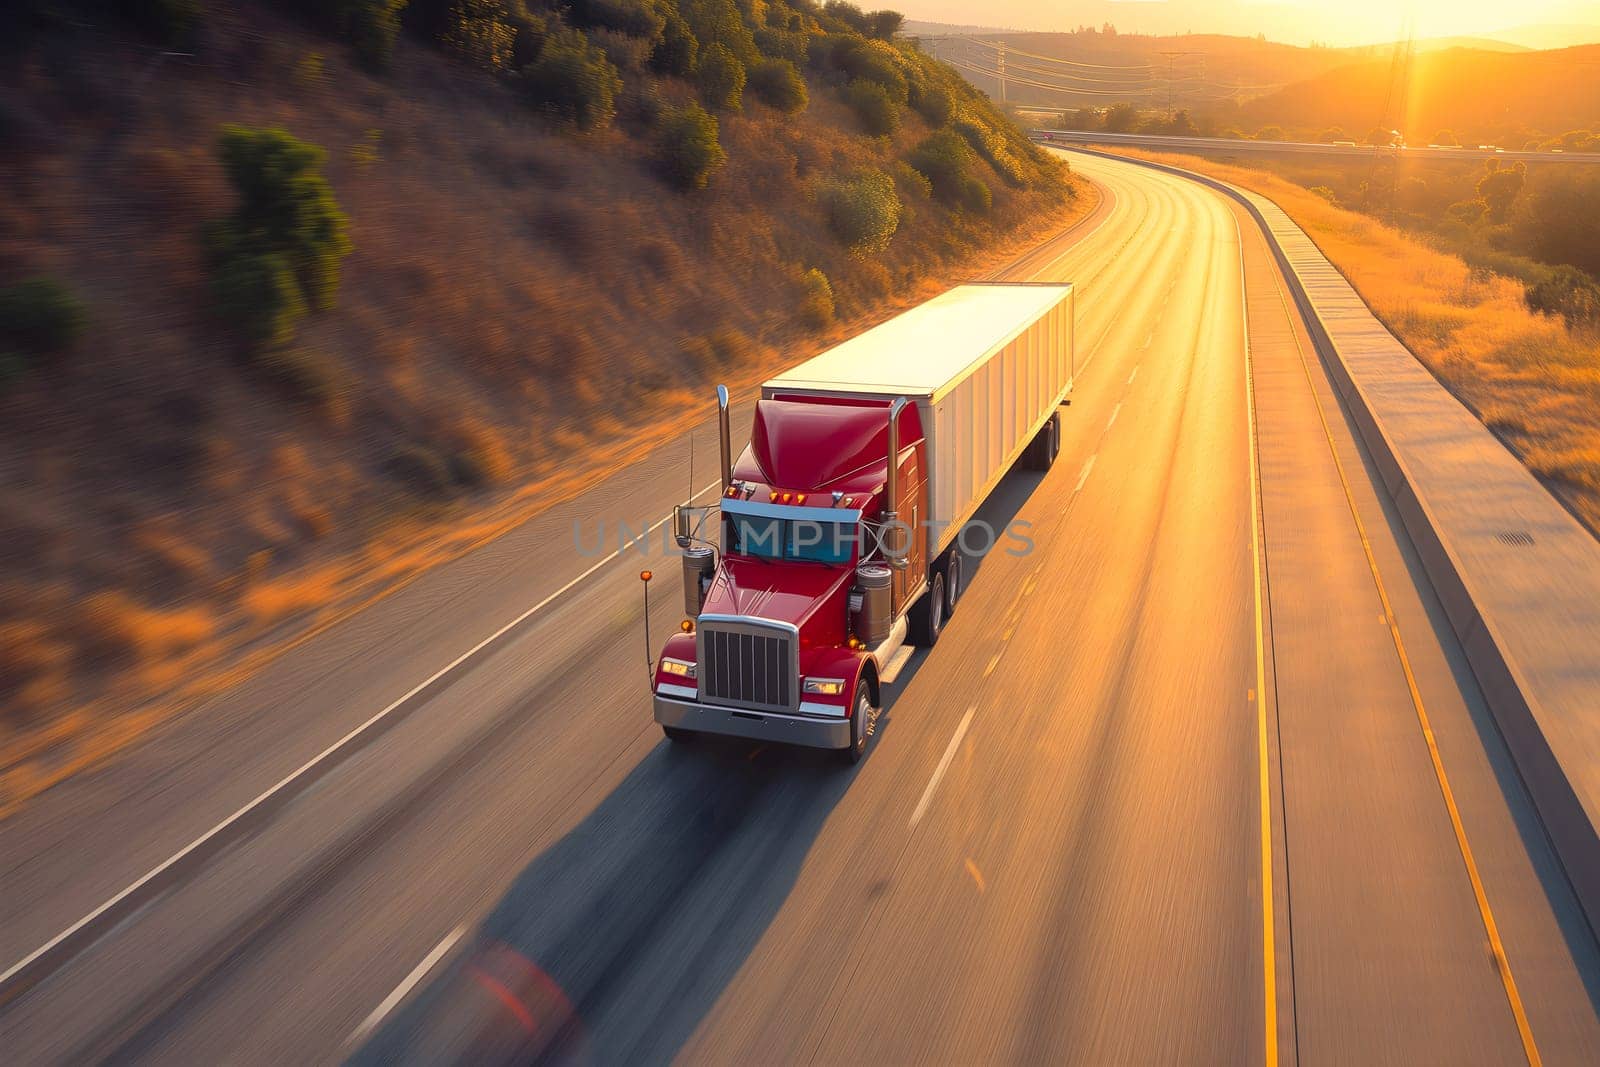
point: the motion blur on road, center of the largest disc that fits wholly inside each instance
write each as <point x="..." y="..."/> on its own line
<point x="1202" y="778"/>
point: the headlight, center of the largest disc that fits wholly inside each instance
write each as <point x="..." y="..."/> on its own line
<point x="831" y="687"/>
<point x="682" y="668"/>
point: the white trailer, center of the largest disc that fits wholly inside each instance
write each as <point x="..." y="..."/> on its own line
<point x="986" y="364"/>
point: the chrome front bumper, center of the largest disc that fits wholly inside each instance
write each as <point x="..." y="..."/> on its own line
<point x="756" y="725"/>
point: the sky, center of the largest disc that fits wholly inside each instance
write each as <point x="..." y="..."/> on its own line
<point x="1338" y="22"/>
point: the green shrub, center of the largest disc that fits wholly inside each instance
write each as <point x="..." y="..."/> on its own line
<point x="721" y="22"/>
<point x="636" y="18"/>
<point x="793" y="45"/>
<point x="677" y="52"/>
<point x="872" y="61"/>
<point x="816" y="299"/>
<point x="721" y="78"/>
<point x="992" y="147"/>
<point x="278" y="254"/>
<point x="574" y="80"/>
<point x="874" y="108"/>
<point x="778" y="84"/>
<point x="371" y="26"/>
<point x="687" y="149"/>
<point x="39" y="317"/>
<point x="934" y="103"/>
<point x="256" y="293"/>
<point x="480" y="33"/>
<point x="909" y="177"/>
<point x="863" y="211"/>
<point x="975" y="196"/>
<point x="943" y="158"/>
<point x="1568" y="292"/>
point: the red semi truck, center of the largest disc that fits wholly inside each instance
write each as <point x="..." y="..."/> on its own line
<point x="833" y="561"/>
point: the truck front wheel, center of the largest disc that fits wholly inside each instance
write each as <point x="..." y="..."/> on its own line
<point x="860" y="724"/>
<point x="927" y="616"/>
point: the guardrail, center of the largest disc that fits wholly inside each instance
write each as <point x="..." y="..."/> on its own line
<point x="1517" y="575"/>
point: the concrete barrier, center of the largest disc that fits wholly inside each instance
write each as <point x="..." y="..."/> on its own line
<point x="1518" y="576"/>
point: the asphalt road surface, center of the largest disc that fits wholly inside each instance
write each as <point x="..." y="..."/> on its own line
<point x="1203" y="778"/>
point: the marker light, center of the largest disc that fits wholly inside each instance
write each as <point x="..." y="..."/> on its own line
<point x="800" y="499"/>
<point x="645" y="576"/>
<point x="687" y="626"/>
<point x="787" y="497"/>
<point x="831" y="687"/>
<point x="773" y="496"/>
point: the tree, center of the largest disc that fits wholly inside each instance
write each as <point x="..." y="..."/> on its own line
<point x="1499" y="186"/>
<point x="1556" y="221"/>
<point x="1122" y="118"/>
<point x="1447" y="138"/>
<point x="1332" y="134"/>
<point x="1379" y="136"/>
<point x="573" y="79"/>
<point x="1270" y="133"/>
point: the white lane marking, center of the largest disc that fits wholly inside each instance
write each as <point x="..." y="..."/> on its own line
<point x="1114" y="413"/>
<point x="993" y="663"/>
<point x="362" y="1032"/>
<point x="1134" y="375"/>
<point x="1087" y="467"/>
<point x="284" y="782"/>
<point x="944" y="764"/>
<point x="1147" y="341"/>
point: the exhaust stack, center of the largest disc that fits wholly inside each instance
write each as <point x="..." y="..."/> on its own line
<point x="723" y="442"/>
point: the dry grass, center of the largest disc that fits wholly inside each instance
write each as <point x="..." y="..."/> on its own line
<point x="520" y="302"/>
<point x="1531" y="379"/>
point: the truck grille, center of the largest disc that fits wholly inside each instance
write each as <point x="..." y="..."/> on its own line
<point x="748" y="663"/>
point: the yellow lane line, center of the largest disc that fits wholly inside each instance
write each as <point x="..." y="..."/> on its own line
<point x="1269" y="960"/>
<point x="1502" y="964"/>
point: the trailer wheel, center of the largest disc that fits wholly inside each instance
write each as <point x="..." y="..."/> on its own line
<point x="678" y="735"/>
<point x="1047" y="445"/>
<point x="952" y="581"/>
<point x="927" y="618"/>
<point x="860" y="721"/>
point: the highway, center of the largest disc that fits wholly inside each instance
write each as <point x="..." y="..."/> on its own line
<point x="1203" y="778"/>
<point x="1236" y="146"/>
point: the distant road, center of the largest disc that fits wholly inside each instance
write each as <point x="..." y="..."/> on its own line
<point x="1233" y="145"/>
<point x="1160" y="795"/>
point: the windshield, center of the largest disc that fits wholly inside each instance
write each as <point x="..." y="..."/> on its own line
<point x="819" y="541"/>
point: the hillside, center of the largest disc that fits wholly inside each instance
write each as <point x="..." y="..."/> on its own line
<point x="1499" y="97"/>
<point x="514" y="299"/>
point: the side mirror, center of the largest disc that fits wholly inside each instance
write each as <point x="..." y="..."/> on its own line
<point x="683" y="519"/>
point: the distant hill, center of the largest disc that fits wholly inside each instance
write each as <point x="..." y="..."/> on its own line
<point x="1481" y="44"/>
<point x="1092" y="68"/>
<point x="1564" y="35"/>
<point x="1481" y="95"/>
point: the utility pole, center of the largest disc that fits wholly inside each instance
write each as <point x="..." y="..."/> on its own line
<point x="1172" y="58"/>
<point x="1002" y="69"/>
